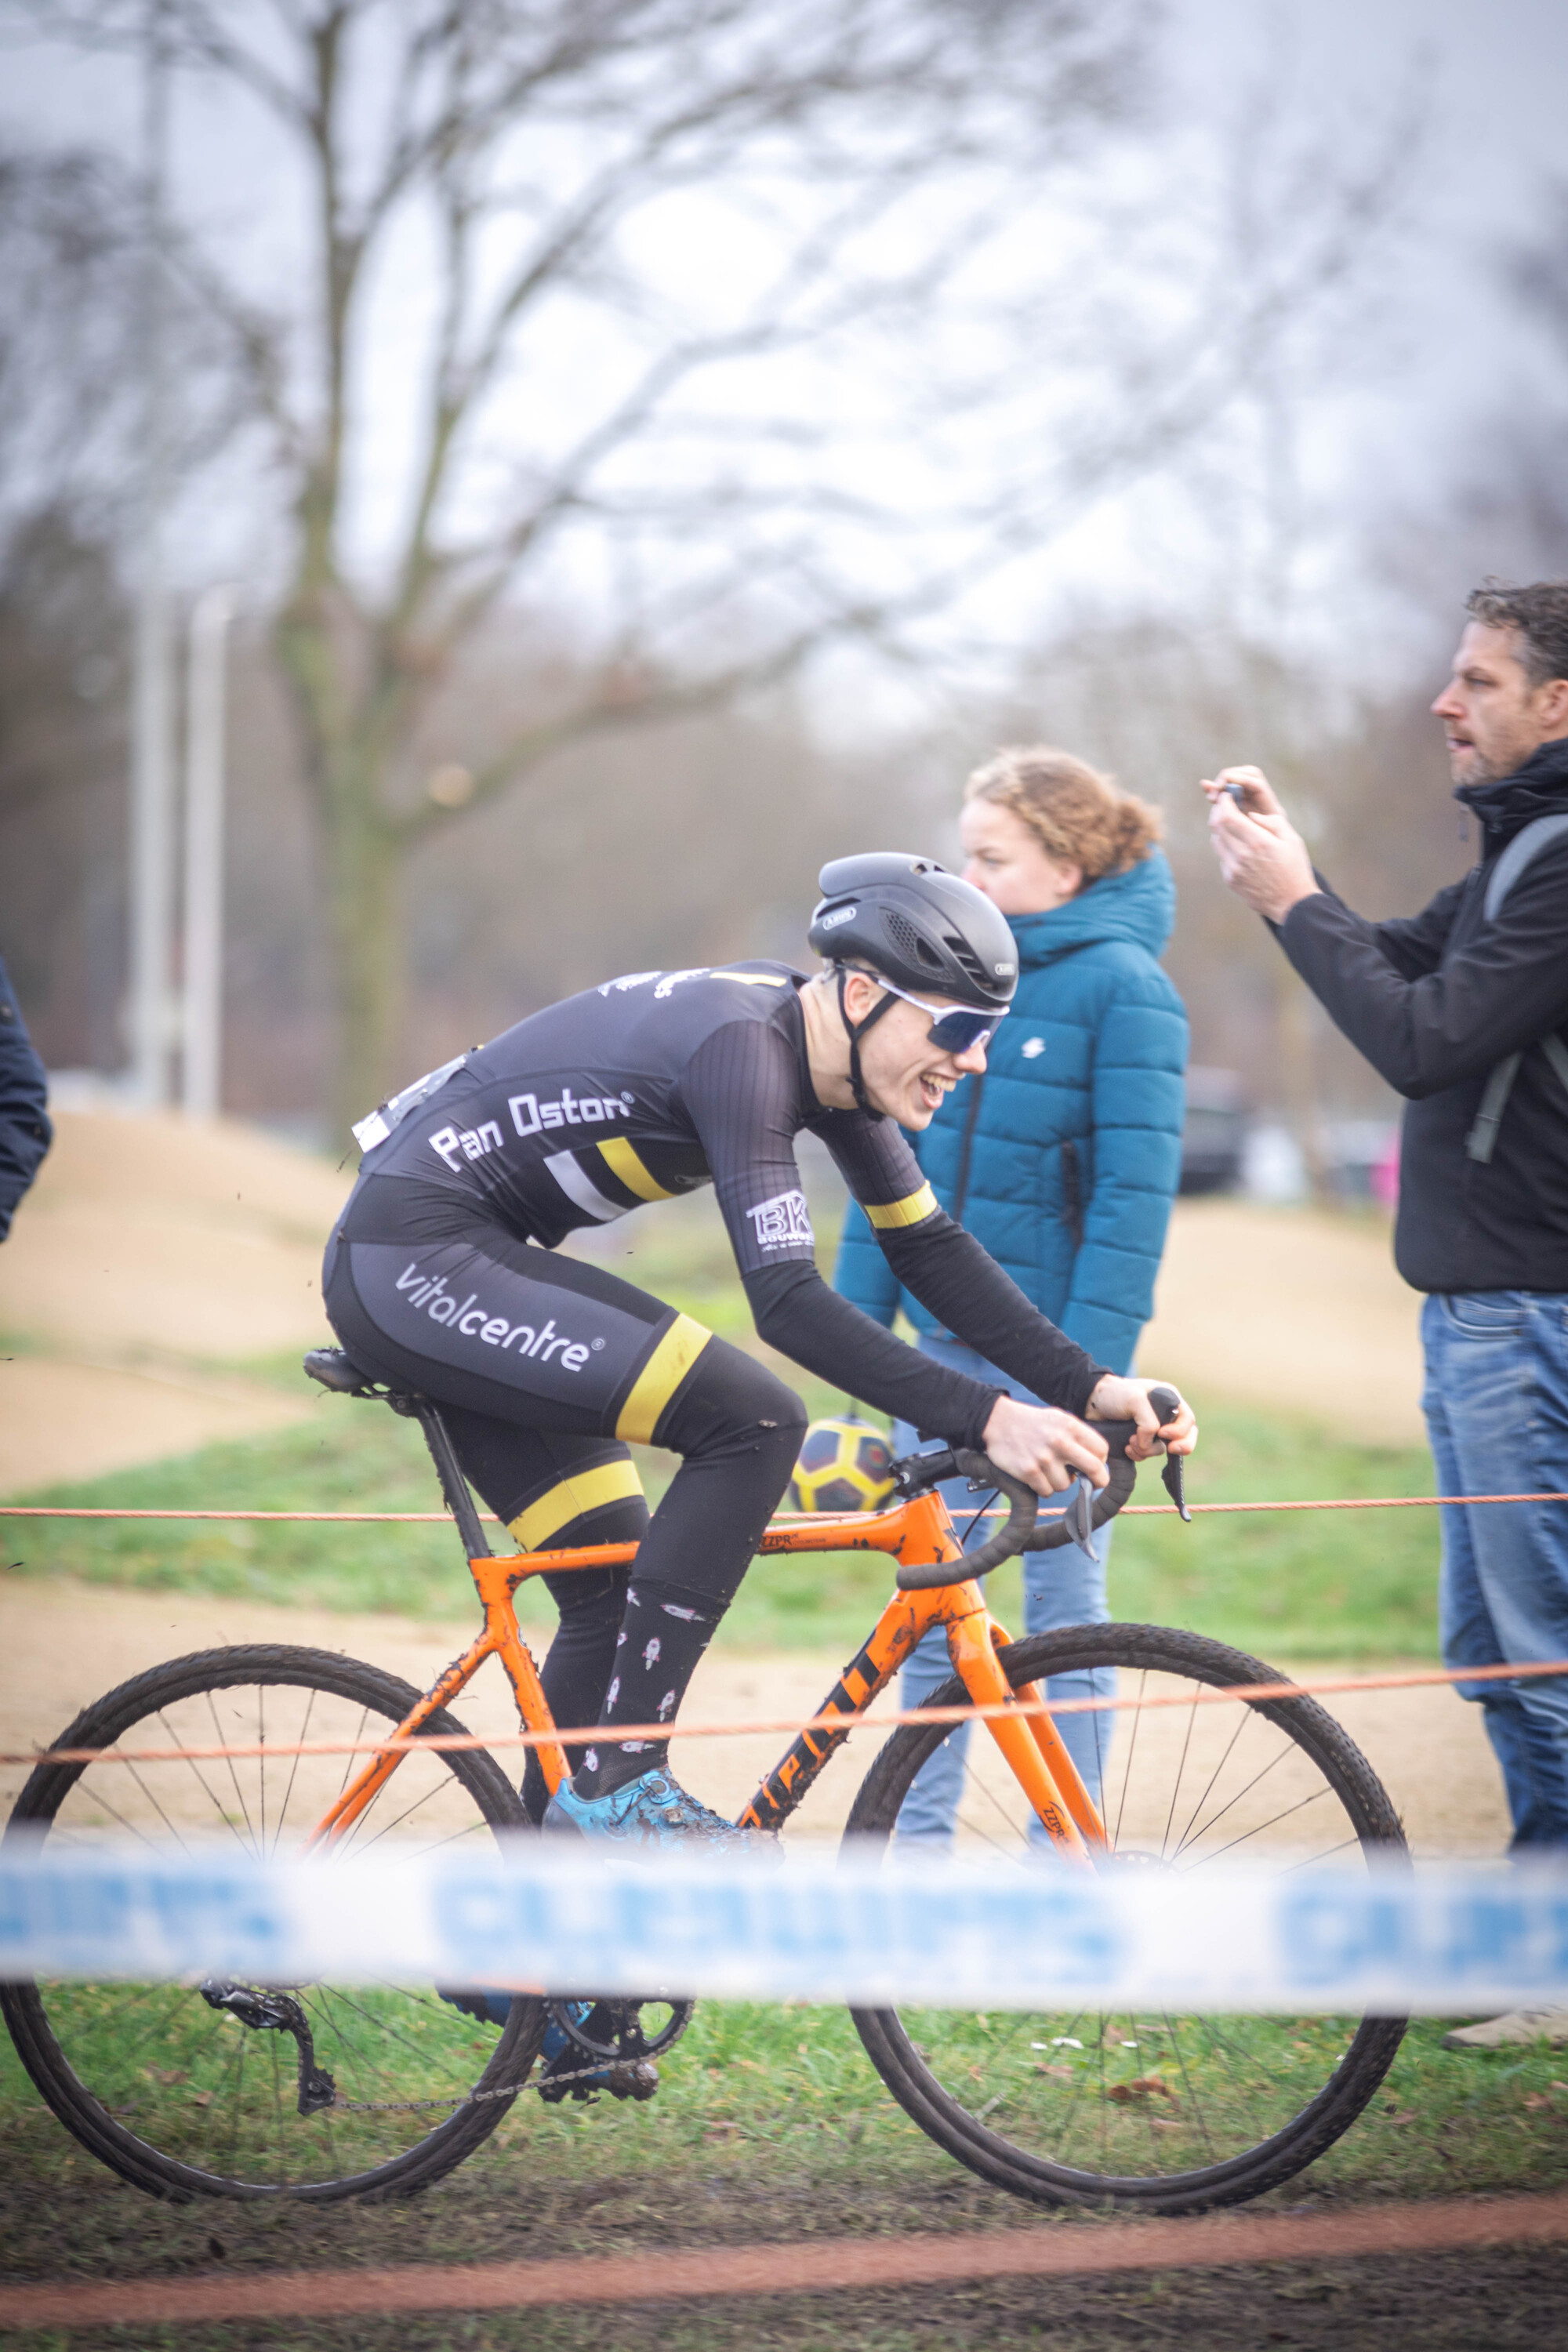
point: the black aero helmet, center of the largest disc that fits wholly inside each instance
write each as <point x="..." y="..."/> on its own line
<point x="918" y="926"/>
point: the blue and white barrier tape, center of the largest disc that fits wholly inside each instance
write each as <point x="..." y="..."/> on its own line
<point x="1445" y="1938"/>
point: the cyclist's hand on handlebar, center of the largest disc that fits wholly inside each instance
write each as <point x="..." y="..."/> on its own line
<point x="1045" y="1448"/>
<point x="1120" y="1399"/>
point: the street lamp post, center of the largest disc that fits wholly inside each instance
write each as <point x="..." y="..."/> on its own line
<point x="204" y="776"/>
<point x="152" y="760"/>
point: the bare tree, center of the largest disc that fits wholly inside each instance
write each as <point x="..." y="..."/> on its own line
<point x="734" y="328"/>
<point x="70" y="287"/>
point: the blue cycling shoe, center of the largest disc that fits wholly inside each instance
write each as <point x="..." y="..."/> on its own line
<point x="652" y="1809"/>
<point x="485" y="2008"/>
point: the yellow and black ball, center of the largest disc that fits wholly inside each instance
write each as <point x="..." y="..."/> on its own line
<point x="844" y="1465"/>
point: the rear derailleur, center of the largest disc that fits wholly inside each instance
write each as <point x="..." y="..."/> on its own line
<point x="277" y="2012"/>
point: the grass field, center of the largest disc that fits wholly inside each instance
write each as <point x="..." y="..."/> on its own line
<point x="1336" y="1585"/>
<point x="770" y="2122"/>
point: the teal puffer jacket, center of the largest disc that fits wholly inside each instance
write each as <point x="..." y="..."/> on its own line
<point x="1063" y="1159"/>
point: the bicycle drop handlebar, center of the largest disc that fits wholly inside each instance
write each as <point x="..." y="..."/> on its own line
<point x="919" y="1471"/>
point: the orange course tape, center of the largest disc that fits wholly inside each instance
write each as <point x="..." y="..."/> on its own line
<point x="814" y="2267"/>
<point x="783" y="1519"/>
<point x="450" y="1742"/>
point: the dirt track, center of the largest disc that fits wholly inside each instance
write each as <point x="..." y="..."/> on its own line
<point x="151" y="1255"/>
<point x="154" y="1256"/>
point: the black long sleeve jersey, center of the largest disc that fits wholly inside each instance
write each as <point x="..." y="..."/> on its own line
<point x="650" y="1085"/>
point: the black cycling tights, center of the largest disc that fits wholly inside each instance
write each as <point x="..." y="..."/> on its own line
<point x="535" y="1421"/>
<point x="738" y="1429"/>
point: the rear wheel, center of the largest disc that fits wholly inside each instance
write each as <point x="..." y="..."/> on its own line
<point x="1149" y="2112"/>
<point x="187" y="2091"/>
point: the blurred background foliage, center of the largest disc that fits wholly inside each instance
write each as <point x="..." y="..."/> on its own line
<point x="843" y="344"/>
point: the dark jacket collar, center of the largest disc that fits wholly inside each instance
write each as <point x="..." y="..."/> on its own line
<point x="1508" y="803"/>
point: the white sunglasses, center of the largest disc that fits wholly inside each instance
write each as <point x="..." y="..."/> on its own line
<point x="957" y="1032"/>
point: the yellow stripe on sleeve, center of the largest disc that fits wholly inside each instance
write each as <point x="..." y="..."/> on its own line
<point x="911" y="1211"/>
<point x="754" y="979"/>
<point x="612" y="1482"/>
<point x="659" y="1378"/>
<point x="621" y="1161"/>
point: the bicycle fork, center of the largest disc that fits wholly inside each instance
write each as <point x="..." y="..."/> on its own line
<point x="1034" y="1751"/>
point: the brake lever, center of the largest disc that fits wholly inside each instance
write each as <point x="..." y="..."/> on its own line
<point x="1167" y="1403"/>
<point x="1078" y="1516"/>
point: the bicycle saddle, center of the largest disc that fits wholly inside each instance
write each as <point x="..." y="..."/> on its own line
<point x="337" y="1370"/>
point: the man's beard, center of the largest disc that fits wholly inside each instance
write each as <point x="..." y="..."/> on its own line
<point x="1471" y="766"/>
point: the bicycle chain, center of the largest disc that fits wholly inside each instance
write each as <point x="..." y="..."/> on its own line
<point x="470" y="2098"/>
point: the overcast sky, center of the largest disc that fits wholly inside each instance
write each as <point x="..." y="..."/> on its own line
<point x="1497" y="78"/>
<point x="1435" y="339"/>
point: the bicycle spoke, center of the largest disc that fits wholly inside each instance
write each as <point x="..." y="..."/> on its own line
<point x="1181" y="1768"/>
<point x="1192" y="2107"/>
<point x="200" y="2088"/>
<point x="157" y="1807"/>
<point x="293" y="1770"/>
<point x="1245" y="1718"/>
<point x="199" y="1776"/>
<point x="1245" y="1790"/>
<point x="1315" y="1797"/>
<point x="1344" y="1846"/>
<point x="131" y="1828"/>
<point x="1126" y="1772"/>
<point x="240" y="1793"/>
<point x="352" y="1763"/>
<point x="354" y="1845"/>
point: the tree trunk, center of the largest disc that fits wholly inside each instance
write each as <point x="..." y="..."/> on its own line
<point x="348" y="733"/>
<point x="363" y="876"/>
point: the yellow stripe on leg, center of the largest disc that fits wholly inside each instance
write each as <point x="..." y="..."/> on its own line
<point x="587" y="1490"/>
<point x="621" y="1161"/>
<point x="659" y="1378"/>
<point x="913" y="1210"/>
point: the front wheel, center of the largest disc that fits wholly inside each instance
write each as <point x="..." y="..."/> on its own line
<point x="314" y="2091"/>
<point x="1146" y="2112"/>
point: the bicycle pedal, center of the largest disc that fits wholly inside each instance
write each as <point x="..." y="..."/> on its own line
<point x="638" y="2082"/>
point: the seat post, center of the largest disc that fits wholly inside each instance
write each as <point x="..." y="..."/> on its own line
<point x="453" y="1486"/>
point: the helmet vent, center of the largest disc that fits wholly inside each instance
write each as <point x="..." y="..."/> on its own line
<point x="908" y="942"/>
<point x="964" y="956"/>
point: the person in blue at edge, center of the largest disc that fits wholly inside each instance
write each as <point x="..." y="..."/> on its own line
<point x="24" y="1130"/>
<point x="1062" y="1160"/>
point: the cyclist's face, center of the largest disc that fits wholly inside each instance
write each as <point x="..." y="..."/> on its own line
<point x="904" y="1074"/>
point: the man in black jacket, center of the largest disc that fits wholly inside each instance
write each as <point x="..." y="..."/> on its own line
<point x="1441" y="1004"/>
<point x="24" y="1130"/>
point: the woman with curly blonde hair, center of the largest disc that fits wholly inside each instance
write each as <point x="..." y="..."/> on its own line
<point x="1064" y="1158"/>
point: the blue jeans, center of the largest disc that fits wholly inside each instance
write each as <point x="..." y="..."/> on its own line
<point x="1496" y="1411"/>
<point x="1060" y="1588"/>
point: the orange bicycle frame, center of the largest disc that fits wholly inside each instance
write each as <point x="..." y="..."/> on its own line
<point x="917" y="1532"/>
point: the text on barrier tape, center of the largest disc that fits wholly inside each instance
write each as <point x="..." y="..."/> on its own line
<point x="1444" y="1939"/>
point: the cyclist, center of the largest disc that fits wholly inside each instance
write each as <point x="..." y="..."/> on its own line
<point x="443" y="1275"/>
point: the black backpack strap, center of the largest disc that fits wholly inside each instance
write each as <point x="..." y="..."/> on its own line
<point x="1521" y="851"/>
<point x="1482" y="1137"/>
